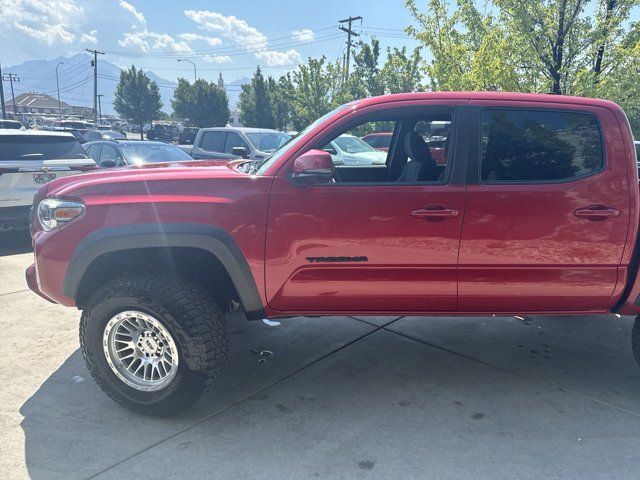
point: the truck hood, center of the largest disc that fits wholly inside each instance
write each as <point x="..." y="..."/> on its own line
<point x="159" y="173"/>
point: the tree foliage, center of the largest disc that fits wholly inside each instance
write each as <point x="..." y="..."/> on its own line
<point x="319" y="85"/>
<point x="202" y="103"/>
<point x="575" y="47"/>
<point x="137" y="98"/>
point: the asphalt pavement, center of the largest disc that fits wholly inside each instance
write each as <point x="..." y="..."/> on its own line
<point x="341" y="397"/>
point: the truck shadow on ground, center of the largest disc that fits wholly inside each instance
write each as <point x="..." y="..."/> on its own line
<point x="427" y="378"/>
<point x="15" y="242"/>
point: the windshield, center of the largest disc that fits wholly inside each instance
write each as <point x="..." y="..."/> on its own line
<point x="32" y="147"/>
<point x="351" y="144"/>
<point x="156" y="153"/>
<point x="258" y="167"/>
<point x="268" y="141"/>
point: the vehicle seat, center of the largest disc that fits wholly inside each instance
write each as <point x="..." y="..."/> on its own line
<point x="421" y="167"/>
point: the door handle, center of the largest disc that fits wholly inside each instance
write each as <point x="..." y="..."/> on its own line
<point x="596" y="212"/>
<point x="435" y="212"/>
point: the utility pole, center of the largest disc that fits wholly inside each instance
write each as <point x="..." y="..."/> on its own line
<point x="4" y="110"/>
<point x="94" y="64"/>
<point x="349" y="32"/>
<point x="12" y="77"/>
<point x="58" y="87"/>
<point x="100" y="109"/>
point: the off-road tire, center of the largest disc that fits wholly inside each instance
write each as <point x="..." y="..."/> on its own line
<point x="194" y="320"/>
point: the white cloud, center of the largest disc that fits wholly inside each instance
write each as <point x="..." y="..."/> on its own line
<point x="217" y="58"/>
<point x="47" y="21"/>
<point x="304" y="35"/>
<point x="90" y="37"/>
<point x="193" y="37"/>
<point x="231" y="27"/>
<point x="145" y="41"/>
<point x="278" y="59"/>
<point x="133" y="11"/>
<point x="240" y="32"/>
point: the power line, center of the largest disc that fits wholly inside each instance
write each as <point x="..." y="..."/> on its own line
<point x="221" y="50"/>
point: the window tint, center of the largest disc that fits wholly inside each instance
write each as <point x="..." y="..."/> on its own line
<point x="384" y="141"/>
<point x="536" y="145"/>
<point x="33" y="147"/>
<point x="213" y="141"/>
<point x="108" y="153"/>
<point x="234" y="140"/>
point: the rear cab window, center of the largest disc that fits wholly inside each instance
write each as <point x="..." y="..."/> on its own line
<point x="45" y="147"/>
<point x="533" y="146"/>
<point x="213" y="141"/>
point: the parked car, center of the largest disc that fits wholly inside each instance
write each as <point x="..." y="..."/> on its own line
<point x="351" y="150"/>
<point x="28" y="160"/>
<point x="525" y="217"/>
<point x="110" y="154"/>
<point x="94" y="135"/>
<point x="231" y="143"/>
<point x="188" y="135"/>
<point x="379" y="140"/>
<point x="162" y="132"/>
<point x="11" y="124"/>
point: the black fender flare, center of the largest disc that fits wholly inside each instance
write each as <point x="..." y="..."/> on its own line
<point x="210" y="238"/>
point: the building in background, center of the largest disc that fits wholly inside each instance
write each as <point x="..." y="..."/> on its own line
<point x="34" y="103"/>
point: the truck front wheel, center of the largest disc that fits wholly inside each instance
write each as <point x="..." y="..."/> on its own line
<point x="153" y="343"/>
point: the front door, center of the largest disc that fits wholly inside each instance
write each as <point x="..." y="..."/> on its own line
<point x="547" y="219"/>
<point x="384" y="236"/>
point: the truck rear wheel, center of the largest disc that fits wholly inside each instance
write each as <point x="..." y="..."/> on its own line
<point x="153" y="343"/>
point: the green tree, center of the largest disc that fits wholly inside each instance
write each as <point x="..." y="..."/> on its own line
<point x="533" y="46"/>
<point x="401" y="72"/>
<point x="202" y="103"/>
<point x="137" y="98"/>
<point x="255" y="103"/>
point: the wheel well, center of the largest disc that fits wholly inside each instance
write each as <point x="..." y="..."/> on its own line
<point x="196" y="264"/>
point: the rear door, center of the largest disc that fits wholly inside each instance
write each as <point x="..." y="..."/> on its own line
<point x="29" y="161"/>
<point x="547" y="210"/>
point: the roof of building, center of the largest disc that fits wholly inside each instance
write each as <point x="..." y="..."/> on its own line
<point x="38" y="100"/>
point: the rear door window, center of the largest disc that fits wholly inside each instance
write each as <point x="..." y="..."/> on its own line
<point x="213" y="141"/>
<point x="45" y="147"/>
<point x="234" y="140"/>
<point x="539" y="146"/>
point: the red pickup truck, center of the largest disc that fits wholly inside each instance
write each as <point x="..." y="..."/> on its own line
<point x="534" y="211"/>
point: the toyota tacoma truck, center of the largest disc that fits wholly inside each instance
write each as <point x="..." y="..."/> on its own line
<point x="532" y="209"/>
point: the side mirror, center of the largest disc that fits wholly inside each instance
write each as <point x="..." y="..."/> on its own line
<point x="240" y="152"/>
<point x="108" y="163"/>
<point x="312" y="168"/>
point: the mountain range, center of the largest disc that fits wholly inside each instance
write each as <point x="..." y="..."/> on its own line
<point x="75" y="75"/>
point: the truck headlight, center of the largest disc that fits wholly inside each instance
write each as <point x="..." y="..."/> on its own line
<point x="53" y="213"/>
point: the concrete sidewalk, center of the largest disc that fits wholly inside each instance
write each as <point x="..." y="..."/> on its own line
<point x="411" y="397"/>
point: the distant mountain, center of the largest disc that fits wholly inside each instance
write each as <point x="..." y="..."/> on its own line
<point x="76" y="81"/>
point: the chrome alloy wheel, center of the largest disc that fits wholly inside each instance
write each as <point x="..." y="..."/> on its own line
<point x="140" y="351"/>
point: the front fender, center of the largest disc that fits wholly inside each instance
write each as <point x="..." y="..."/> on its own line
<point x="158" y="235"/>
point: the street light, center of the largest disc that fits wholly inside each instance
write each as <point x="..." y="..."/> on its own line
<point x="195" y="74"/>
<point x="58" y="87"/>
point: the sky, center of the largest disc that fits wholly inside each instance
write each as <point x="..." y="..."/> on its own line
<point x="230" y="37"/>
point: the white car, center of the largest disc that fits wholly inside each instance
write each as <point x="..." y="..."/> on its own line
<point x="28" y="160"/>
<point x="351" y="150"/>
